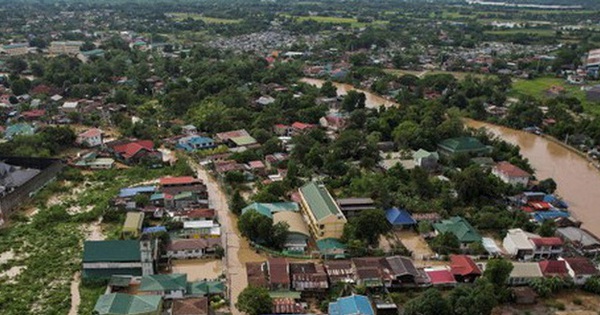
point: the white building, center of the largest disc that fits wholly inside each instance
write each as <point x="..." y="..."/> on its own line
<point x="193" y="248"/>
<point x="580" y="269"/>
<point x="68" y="107"/>
<point x="511" y="174"/>
<point x="90" y="138"/>
<point x="528" y="246"/>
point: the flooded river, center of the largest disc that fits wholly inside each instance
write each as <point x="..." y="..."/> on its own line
<point x="578" y="181"/>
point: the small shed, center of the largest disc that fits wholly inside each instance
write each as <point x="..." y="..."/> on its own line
<point x="133" y="224"/>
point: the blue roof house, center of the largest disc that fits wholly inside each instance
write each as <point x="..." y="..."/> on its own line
<point x="193" y="143"/>
<point x="399" y="217"/>
<point x="351" y="305"/>
<point x="541" y="216"/>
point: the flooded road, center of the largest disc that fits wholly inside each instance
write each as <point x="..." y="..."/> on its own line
<point x="237" y="249"/>
<point x="578" y="181"/>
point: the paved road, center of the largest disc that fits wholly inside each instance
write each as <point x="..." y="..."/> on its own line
<point x="237" y="248"/>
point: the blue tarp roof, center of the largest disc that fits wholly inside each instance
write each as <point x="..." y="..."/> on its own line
<point x="154" y="229"/>
<point x="399" y="217"/>
<point x="355" y="304"/>
<point x="541" y="216"/>
<point x="555" y="201"/>
<point x="132" y="191"/>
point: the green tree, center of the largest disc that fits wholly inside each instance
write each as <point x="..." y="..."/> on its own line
<point x="367" y="226"/>
<point x="255" y="301"/>
<point x="255" y="226"/>
<point x="431" y="302"/>
<point x="353" y="100"/>
<point x="473" y="300"/>
<point x="547" y="229"/>
<point x="445" y="243"/>
<point x="328" y="89"/>
<point x="547" y="185"/>
<point x="237" y="202"/>
<point x="497" y="272"/>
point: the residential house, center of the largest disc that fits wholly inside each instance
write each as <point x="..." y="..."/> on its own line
<point x="580" y="269"/>
<point x="237" y="138"/>
<point x="191" y="306"/>
<point x="195" y="215"/>
<point x="426" y="160"/>
<point x="256" y="273"/>
<point x="135" y="151"/>
<point x="298" y="233"/>
<point x="554" y="268"/>
<point x="201" y="229"/>
<point x="21" y="129"/>
<point x="265" y="100"/>
<point x="339" y="271"/>
<point x="326" y="220"/>
<point x="176" y="185"/>
<point x="192" y="248"/>
<point x="279" y="274"/>
<point x="169" y="286"/>
<point x="257" y="167"/>
<point x="70" y="107"/>
<point x="286" y="305"/>
<point x="440" y="277"/>
<point x="102" y="259"/>
<point x="283" y="130"/>
<point x="331" y="248"/>
<point x="127" y="304"/>
<point x="92" y="161"/>
<point x="208" y="288"/>
<point x="189" y="130"/>
<point x="34" y="114"/>
<point x="334" y="122"/>
<point x="399" y="218"/>
<point x="90" y="138"/>
<point x="126" y="196"/>
<point x="511" y="174"/>
<point x="300" y="128"/>
<point x="65" y="47"/>
<point x="351" y="305"/>
<point x="527" y="246"/>
<point x="394" y="271"/>
<point x="308" y="277"/>
<point x="194" y="142"/>
<point x="464" y="268"/>
<point x="579" y="239"/>
<point x="133" y="225"/>
<point x="352" y="207"/>
<point x="524" y="272"/>
<point x="463" y="230"/>
<point x="463" y="145"/>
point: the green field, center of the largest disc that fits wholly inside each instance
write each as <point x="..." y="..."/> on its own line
<point x="538" y="88"/>
<point x="177" y="16"/>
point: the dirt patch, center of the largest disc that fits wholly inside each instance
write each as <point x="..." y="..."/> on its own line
<point x="199" y="269"/>
<point x="12" y="272"/>
<point x="7" y="256"/>
<point x="416" y="244"/>
<point x="75" y="297"/>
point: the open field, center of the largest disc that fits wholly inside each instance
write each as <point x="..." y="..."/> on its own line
<point x="178" y="16"/>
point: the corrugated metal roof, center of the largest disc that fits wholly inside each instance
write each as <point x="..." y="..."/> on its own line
<point x="319" y="201"/>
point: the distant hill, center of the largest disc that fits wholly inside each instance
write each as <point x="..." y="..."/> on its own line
<point x="587" y="4"/>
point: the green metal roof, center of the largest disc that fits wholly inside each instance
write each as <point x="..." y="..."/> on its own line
<point x="164" y="282"/>
<point x="111" y="251"/>
<point x="319" y="200"/>
<point x="267" y="209"/>
<point x="295" y="295"/>
<point x="243" y="140"/>
<point x="184" y="195"/>
<point x="204" y="288"/>
<point x="330" y="244"/>
<point x="133" y="221"/>
<point x="421" y="154"/>
<point x="126" y="304"/>
<point x="462" y="144"/>
<point x="119" y="281"/>
<point x="109" y="272"/>
<point x="458" y="226"/>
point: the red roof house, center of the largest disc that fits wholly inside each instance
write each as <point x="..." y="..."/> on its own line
<point x="134" y="151"/>
<point x="279" y="274"/>
<point x="175" y="181"/>
<point x="554" y="268"/>
<point x="580" y="269"/>
<point x="300" y="127"/>
<point x="511" y="174"/>
<point x="33" y="114"/>
<point x="464" y="268"/>
<point x="441" y="277"/>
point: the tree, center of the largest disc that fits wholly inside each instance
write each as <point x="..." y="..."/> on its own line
<point x="328" y="89"/>
<point x="430" y="303"/>
<point x="255" y="226"/>
<point x="445" y="243"/>
<point x="473" y="300"/>
<point x="353" y="100"/>
<point x="237" y="202"/>
<point x="497" y="272"/>
<point x="255" y="301"/>
<point x="367" y="226"/>
<point x="547" y="228"/>
<point x="547" y="185"/>
<point x="279" y="234"/>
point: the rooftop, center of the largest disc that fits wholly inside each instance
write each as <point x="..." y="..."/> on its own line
<point x="355" y="304"/>
<point x="458" y="226"/>
<point x="163" y="282"/>
<point x="111" y="251"/>
<point x="125" y="304"/>
<point x="319" y="201"/>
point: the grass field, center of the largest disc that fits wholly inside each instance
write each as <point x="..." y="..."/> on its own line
<point x="538" y="88"/>
<point x="178" y="16"/>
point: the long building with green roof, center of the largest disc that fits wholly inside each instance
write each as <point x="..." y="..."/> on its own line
<point x="458" y="226"/>
<point x="325" y="219"/>
<point x="268" y="209"/>
<point x="126" y="304"/>
<point x="463" y="145"/>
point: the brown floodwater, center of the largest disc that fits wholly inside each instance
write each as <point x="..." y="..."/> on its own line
<point x="578" y="181"/>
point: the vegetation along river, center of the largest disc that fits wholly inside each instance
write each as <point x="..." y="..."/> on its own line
<point x="578" y="181"/>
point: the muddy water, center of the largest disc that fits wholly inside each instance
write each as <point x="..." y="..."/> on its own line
<point x="237" y="249"/>
<point x="578" y="181"/>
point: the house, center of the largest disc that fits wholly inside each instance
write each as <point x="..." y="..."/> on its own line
<point x="269" y="209"/>
<point x="279" y="274"/>
<point x="206" y="288"/>
<point x="133" y="225"/>
<point x="527" y="246"/>
<point x="191" y="306"/>
<point x="441" y="277"/>
<point x="308" y="277"/>
<point x="463" y="230"/>
<point x="65" y="47"/>
<point x="298" y="234"/>
<point x="70" y="107"/>
<point x="21" y="129"/>
<point x="265" y="100"/>
<point x="195" y="215"/>
<point x="581" y="240"/>
<point x="554" y="268"/>
<point x="56" y="98"/>
<point x="92" y="161"/>
<point x="300" y="128"/>
<point x="511" y="174"/>
<point x="399" y="218"/>
<point x="580" y="269"/>
<point x="256" y="273"/>
<point x="192" y="248"/>
<point x="236" y="138"/>
<point x="463" y="145"/>
<point x="34" y="114"/>
<point x="169" y="286"/>
<point x="189" y="130"/>
<point x="257" y="167"/>
<point x="287" y="305"/>
<point x="135" y="151"/>
<point x="334" y="122"/>
<point x="339" y="271"/>
<point x="193" y="142"/>
<point x="283" y="130"/>
<point x="464" y="268"/>
<point x="201" y="229"/>
<point x="90" y="138"/>
<point x="351" y="305"/>
<point x="352" y="207"/>
<point x="127" y="304"/>
<point x="102" y="259"/>
<point x="331" y="248"/>
<point x="425" y="159"/>
<point x="524" y="272"/>
<point x="176" y="185"/>
<point x="391" y="272"/>
<point x="326" y="220"/>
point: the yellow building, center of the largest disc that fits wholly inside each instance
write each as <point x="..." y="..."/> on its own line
<point x="66" y="48"/>
<point x="325" y="219"/>
<point x="16" y="49"/>
<point x="133" y="224"/>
